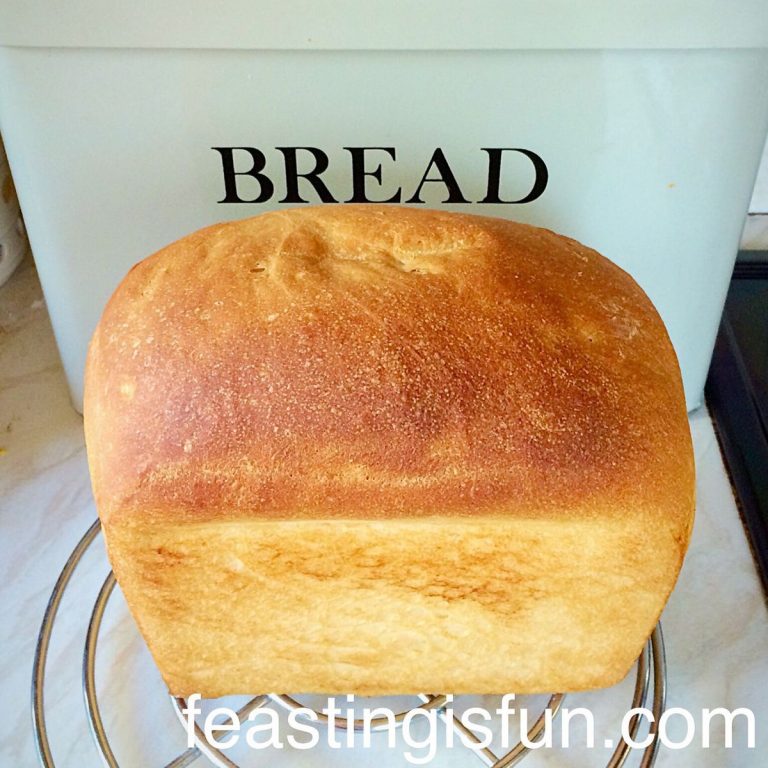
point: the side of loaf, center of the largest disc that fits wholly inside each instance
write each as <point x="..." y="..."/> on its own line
<point x="374" y="450"/>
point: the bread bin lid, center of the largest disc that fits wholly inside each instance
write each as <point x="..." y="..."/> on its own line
<point x="386" y="24"/>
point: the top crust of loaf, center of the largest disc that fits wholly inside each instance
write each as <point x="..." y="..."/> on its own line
<point x="374" y="362"/>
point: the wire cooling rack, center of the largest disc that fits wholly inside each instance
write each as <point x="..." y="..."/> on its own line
<point x="650" y="682"/>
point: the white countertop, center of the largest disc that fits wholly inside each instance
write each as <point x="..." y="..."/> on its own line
<point x="716" y="624"/>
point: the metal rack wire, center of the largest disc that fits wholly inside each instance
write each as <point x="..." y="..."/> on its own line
<point x="650" y="676"/>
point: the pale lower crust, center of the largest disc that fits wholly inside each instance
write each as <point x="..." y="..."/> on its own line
<point x="402" y="606"/>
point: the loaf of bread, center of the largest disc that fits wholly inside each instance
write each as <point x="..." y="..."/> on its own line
<point x="379" y="450"/>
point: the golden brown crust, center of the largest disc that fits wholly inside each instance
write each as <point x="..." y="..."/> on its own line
<point x="371" y="362"/>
